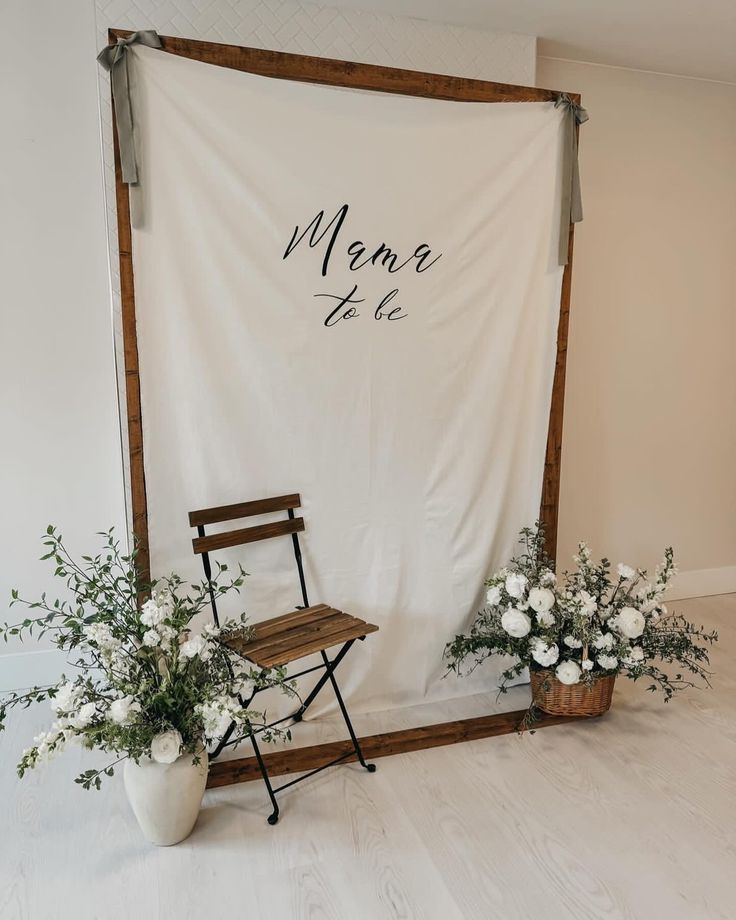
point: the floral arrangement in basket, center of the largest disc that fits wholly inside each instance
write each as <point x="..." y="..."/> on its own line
<point x="146" y="686"/>
<point x="578" y="632"/>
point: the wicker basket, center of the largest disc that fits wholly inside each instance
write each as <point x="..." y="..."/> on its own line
<point x="558" y="699"/>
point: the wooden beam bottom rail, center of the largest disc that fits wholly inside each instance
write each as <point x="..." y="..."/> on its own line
<point x="301" y="760"/>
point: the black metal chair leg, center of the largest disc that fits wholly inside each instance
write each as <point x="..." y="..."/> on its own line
<point x="274" y="816"/>
<point x="370" y="767"/>
<point x="330" y="665"/>
<point x="223" y="742"/>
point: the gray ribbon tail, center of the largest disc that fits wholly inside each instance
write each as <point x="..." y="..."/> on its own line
<point x="571" y="210"/>
<point x="115" y="59"/>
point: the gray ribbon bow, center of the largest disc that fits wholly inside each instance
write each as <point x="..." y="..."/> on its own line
<point x="115" y="59"/>
<point x="572" y="201"/>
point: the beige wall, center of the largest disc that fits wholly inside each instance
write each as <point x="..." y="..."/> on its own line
<point x="649" y="451"/>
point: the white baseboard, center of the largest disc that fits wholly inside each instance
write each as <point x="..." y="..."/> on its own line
<point x="703" y="583"/>
<point x="20" y="670"/>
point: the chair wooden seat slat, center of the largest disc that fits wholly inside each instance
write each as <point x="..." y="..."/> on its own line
<point x="280" y="640"/>
<point x="296" y="638"/>
<point x="300" y="615"/>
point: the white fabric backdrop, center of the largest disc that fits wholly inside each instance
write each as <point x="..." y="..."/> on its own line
<point x="417" y="443"/>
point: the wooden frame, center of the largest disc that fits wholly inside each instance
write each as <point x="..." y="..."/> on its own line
<point x="306" y="69"/>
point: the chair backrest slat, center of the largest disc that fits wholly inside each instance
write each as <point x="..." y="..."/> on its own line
<point x="248" y="534"/>
<point x="243" y="509"/>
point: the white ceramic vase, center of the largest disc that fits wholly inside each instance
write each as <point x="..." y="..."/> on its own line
<point x="166" y="797"/>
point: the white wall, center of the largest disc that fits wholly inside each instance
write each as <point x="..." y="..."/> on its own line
<point x="60" y="457"/>
<point x="649" y="446"/>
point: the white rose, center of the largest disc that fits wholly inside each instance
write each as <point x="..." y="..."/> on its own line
<point x="152" y="614"/>
<point x="516" y="584"/>
<point x="166" y="747"/>
<point x="541" y="600"/>
<point x="516" y="623"/>
<point x="545" y="618"/>
<point x="193" y="647"/>
<point x="84" y="716"/>
<point x="625" y="571"/>
<point x="635" y="656"/>
<point x="151" y="637"/>
<point x="544" y="654"/>
<point x="603" y="641"/>
<point x="587" y="602"/>
<point x="630" y="622"/>
<point x="572" y="642"/>
<point x="493" y="595"/>
<point x="608" y="662"/>
<point x="122" y="709"/>
<point x="567" y="672"/>
<point x="588" y="664"/>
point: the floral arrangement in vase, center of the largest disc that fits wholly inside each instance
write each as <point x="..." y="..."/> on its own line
<point x="578" y="632"/>
<point x="148" y="689"/>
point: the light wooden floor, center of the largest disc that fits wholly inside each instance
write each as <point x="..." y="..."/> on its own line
<point x="632" y="816"/>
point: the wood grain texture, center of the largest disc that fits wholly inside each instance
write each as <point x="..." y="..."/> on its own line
<point x="307" y="69"/>
<point x="301" y="760"/>
<point x="284" y="639"/>
<point x="247" y="535"/>
<point x="243" y="509"/>
<point x="138" y="498"/>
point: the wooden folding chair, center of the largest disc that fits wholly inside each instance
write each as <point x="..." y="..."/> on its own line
<point x="287" y="638"/>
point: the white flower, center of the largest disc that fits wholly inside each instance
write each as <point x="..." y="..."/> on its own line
<point x="84" y="715"/>
<point x="197" y="645"/>
<point x="544" y="654"/>
<point x="100" y="635"/>
<point x="167" y="633"/>
<point x="210" y="631"/>
<point x="516" y="623"/>
<point x="516" y="584"/>
<point x="629" y="622"/>
<point x="493" y="595"/>
<point x="635" y="655"/>
<point x="588" y="603"/>
<point x="218" y="714"/>
<point x="572" y="642"/>
<point x="166" y="746"/>
<point x="151" y="637"/>
<point x="567" y="672"/>
<point x="604" y="641"/>
<point x="588" y="664"/>
<point x="152" y="614"/>
<point x="164" y="602"/>
<point x="625" y="571"/>
<point x="545" y="618"/>
<point x="547" y="578"/>
<point x="245" y="687"/>
<point x="608" y="662"/>
<point x="541" y="600"/>
<point x="122" y="709"/>
<point x="65" y="697"/>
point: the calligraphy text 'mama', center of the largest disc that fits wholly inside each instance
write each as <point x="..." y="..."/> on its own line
<point x="358" y="254"/>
